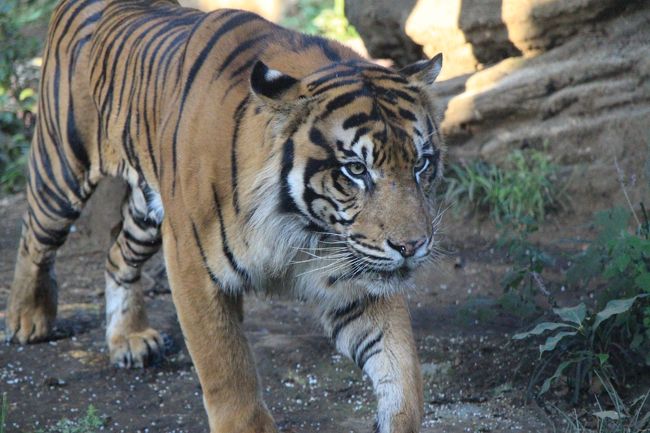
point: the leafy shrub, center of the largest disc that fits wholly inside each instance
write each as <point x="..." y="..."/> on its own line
<point x="321" y="17"/>
<point x="523" y="280"/>
<point x="525" y="187"/>
<point x="17" y="83"/>
<point x="620" y="260"/>
<point x="517" y="196"/>
<point x="632" y="417"/>
<point x="585" y="343"/>
<point x="4" y="406"/>
<point x="90" y="423"/>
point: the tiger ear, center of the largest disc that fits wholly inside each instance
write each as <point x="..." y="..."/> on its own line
<point x="273" y="87"/>
<point x="425" y="71"/>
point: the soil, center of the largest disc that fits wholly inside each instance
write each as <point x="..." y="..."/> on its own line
<point x="475" y="377"/>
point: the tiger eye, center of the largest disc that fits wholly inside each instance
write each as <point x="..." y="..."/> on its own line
<point x="356" y="168"/>
<point x="422" y="164"/>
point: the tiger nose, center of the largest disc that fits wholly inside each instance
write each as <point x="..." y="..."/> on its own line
<point x="407" y="249"/>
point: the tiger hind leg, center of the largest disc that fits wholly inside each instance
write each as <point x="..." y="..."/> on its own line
<point x="53" y="205"/>
<point x="131" y="341"/>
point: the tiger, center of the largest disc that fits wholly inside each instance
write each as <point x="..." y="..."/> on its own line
<point x="262" y="160"/>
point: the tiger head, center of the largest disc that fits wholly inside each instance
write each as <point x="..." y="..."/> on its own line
<point x="361" y="153"/>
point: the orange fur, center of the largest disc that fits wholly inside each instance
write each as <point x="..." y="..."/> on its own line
<point x="282" y="162"/>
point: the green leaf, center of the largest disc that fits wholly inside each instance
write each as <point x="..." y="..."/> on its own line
<point x="26" y="93"/>
<point x="621" y="262"/>
<point x="609" y="414"/>
<point x="643" y="281"/>
<point x="539" y="329"/>
<point x="552" y="342"/>
<point x="602" y="358"/>
<point x="558" y="372"/>
<point x="572" y="314"/>
<point x="612" y="222"/>
<point x="614" y="307"/>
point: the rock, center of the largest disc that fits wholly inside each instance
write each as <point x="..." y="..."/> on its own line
<point x="568" y="76"/>
<point x="381" y="25"/>
<point x="471" y="33"/>
<point x="586" y="101"/>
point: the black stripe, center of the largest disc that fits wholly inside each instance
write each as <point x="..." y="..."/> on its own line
<point x="360" y="358"/>
<point x="323" y="44"/>
<point x="237" y="51"/>
<point x="206" y="266"/>
<point x="287" y="203"/>
<point x="342" y="317"/>
<point x="55" y="237"/>
<point x="363" y="361"/>
<point x="154" y="242"/>
<point x="356" y="120"/>
<point x="224" y="240"/>
<point x="408" y="115"/>
<point x="317" y="137"/>
<point x="343" y="100"/>
<point x="238" y="117"/>
<point x="239" y="19"/>
<point x="337" y="75"/>
<point x="360" y="340"/>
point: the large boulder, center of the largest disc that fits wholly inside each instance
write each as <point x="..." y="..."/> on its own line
<point x="568" y="76"/>
<point x="471" y="33"/>
<point x="586" y="101"/>
<point x="381" y="24"/>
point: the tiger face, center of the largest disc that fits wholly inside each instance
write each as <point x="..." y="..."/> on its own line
<point x="361" y="155"/>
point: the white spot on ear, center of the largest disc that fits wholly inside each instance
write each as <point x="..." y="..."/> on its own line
<point x="272" y="75"/>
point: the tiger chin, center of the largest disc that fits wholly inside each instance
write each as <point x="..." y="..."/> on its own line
<point x="260" y="159"/>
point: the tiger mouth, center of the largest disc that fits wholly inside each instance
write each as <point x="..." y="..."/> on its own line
<point x="401" y="273"/>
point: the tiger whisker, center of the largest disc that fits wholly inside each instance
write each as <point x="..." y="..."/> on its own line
<point x="330" y="255"/>
<point x="320" y="248"/>
<point x="356" y="265"/>
<point x="331" y="234"/>
<point x="318" y="258"/>
<point x="322" y="268"/>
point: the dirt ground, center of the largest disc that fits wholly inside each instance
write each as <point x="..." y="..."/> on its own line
<point x="475" y="376"/>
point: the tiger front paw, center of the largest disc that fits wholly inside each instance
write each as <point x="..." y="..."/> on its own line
<point x="136" y="349"/>
<point x="29" y="323"/>
<point x="32" y="306"/>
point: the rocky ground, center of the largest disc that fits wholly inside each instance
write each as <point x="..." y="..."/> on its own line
<point x="475" y="376"/>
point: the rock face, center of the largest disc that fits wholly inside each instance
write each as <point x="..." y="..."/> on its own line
<point x="381" y="24"/>
<point x="569" y="76"/>
<point x="471" y="33"/>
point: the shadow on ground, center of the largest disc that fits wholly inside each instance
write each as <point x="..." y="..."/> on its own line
<point x="474" y="375"/>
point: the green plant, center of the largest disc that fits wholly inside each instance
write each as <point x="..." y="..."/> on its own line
<point x="620" y="259"/>
<point x="4" y="409"/>
<point x="517" y="196"/>
<point x="585" y="343"/>
<point x="523" y="280"/>
<point x="90" y="423"/>
<point x="525" y="187"/>
<point x="320" y="17"/>
<point x="17" y="82"/>
<point x="621" y="418"/>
